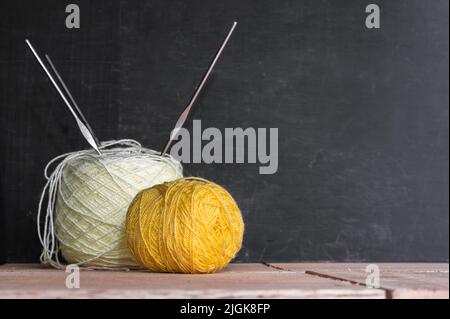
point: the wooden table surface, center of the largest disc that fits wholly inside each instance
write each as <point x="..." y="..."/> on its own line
<point x="289" y="280"/>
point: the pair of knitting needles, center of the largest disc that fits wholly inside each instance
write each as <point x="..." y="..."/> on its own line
<point x="83" y="124"/>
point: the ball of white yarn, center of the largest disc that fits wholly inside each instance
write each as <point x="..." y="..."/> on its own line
<point x="90" y="194"/>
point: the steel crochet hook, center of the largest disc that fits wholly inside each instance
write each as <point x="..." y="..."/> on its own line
<point x="186" y="111"/>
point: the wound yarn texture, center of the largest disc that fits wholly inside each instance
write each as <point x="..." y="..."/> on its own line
<point x="87" y="200"/>
<point x="189" y="225"/>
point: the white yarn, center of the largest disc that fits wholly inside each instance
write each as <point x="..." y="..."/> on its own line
<point x="87" y="200"/>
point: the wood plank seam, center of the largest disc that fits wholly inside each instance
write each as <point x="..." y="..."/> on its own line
<point x="353" y="282"/>
<point x="275" y="267"/>
<point x="388" y="292"/>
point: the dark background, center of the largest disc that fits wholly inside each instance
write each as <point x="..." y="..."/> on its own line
<point x="362" y="114"/>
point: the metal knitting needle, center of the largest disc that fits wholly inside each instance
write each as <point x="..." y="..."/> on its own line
<point x="84" y="130"/>
<point x="74" y="103"/>
<point x="186" y="111"/>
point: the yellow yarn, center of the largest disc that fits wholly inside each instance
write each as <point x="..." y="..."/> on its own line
<point x="189" y="225"/>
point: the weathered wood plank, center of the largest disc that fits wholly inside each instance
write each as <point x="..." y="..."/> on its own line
<point x="236" y="281"/>
<point x="400" y="280"/>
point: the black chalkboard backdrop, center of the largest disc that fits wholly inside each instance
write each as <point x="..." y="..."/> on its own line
<point x="362" y="114"/>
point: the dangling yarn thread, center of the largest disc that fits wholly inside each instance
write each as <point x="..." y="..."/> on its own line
<point x="189" y="225"/>
<point x="87" y="199"/>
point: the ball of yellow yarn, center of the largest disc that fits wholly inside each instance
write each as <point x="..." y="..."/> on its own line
<point x="190" y="225"/>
